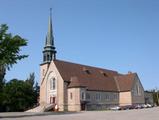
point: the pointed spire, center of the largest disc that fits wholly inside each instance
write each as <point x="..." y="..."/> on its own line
<point x="50" y="38"/>
<point x="49" y="52"/>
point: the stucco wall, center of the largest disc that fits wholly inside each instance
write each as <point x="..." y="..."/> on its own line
<point x="74" y="101"/>
<point x="125" y="98"/>
<point x="43" y="70"/>
<point x="138" y="92"/>
<point x="135" y="96"/>
<point x="44" y="86"/>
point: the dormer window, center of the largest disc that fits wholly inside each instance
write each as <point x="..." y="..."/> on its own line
<point x="86" y="71"/>
<point x="104" y="74"/>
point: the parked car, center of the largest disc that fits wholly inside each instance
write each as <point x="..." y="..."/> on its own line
<point x="127" y="107"/>
<point x="115" y="108"/>
<point x="148" y="105"/>
<point x="138" y="106"/>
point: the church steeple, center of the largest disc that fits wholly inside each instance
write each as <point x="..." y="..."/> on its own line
<point x="49" y="52"/>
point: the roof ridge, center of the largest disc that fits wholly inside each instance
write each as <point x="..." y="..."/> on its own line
<point x="117" y="83"/>
<point x="86" y="65"/>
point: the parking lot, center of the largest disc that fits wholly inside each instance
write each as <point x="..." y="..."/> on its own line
<point x="136" y="114"/>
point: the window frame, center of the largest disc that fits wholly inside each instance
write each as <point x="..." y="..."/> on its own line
<point x="52" y="84"/>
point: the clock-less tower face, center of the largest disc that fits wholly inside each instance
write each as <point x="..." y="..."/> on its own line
<point x="51" y="92"/>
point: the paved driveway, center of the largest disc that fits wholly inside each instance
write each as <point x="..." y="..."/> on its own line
<point x="143" y="114"/>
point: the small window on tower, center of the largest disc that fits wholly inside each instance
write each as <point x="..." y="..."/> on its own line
<point x="44" y="57"/>
<point x="43" y="72"/>
<point x="47" y="57"/>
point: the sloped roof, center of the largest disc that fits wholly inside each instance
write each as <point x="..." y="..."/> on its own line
<point x="74" y="82"/>
<point x="125" y="82"/>
<point x="92" y="78"/>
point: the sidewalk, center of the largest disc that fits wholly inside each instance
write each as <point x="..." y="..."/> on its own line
<point x="29" y="114"/>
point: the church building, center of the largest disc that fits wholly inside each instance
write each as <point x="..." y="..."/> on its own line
<point x="76" y="87"/>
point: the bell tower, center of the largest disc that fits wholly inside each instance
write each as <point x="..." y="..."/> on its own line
<point x="49" y="52"/>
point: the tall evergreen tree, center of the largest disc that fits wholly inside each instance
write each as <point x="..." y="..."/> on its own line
<point x="34" y="85"/>
<point x="31" y="79"/>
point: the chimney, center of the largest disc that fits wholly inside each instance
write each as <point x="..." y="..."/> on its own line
<point x="129" y="72"/>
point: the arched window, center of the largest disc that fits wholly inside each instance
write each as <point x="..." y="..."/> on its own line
<point x="52" y="84"/>
<point x="48" y="57"/>
<point x="44" y="58"/>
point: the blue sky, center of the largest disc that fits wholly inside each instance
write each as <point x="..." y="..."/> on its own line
<point x="121" y="35"/>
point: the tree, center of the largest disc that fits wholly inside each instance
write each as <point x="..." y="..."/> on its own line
<point x="2" y="82"/>
<point x="156" y="96"/>
<point x="18" y="95"/>
<point x="37" y="92"/>
<point x="10" y="47"/>
<point x="31" y="79"/>
<point x="9" y="50"/>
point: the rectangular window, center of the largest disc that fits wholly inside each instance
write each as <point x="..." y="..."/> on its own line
<point x="71" y="96"/>
<point x="88" y="96"/>
<point x="51" y="83"/>
<point x="98" y="97"/>
<point x="107" y="97"/>
<point x="83" y="96"/>
<point x="115" y="97"/>
<point x="43" y="72"/>
<point x="54" y="84"/>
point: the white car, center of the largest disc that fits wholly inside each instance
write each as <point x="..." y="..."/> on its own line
<point x="148" y="105"/>
<point x="115" y="108"/>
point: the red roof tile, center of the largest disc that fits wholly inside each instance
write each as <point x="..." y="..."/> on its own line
<point x="92" y="78"/>
<point x="125" y="82"/>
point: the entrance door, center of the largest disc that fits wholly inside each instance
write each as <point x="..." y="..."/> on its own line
<point x="52" y="100"/>
<point x="83" y="106"/>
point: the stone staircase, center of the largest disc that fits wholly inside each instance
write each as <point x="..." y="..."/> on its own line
<point x="41" y="108"/>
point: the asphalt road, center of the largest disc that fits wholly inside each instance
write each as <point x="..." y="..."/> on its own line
<point x="142" y="114"/>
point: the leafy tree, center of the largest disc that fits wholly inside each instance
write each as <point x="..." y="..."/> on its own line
<point x="31" y="79"/>
<point x="156" y="96"/>
<point x="10" y="47"/>
<point x="19" y="96"/>
<point x="9" y="50"/>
